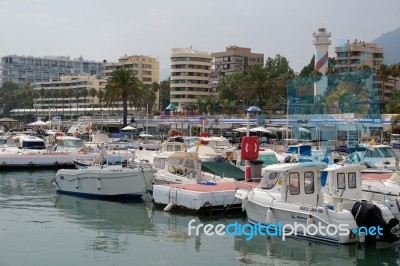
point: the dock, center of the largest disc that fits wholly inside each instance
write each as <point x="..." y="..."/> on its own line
<point x="203" y="198"/>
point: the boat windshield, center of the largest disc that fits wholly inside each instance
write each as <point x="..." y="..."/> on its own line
<point x="387" y="152"/>
<point x="181" y="162"/>
<point x="292" y="149"/>
<point x="269" y="180"/>
<point x="268" y="159"/>
<point x="37" y="145"/>
<point x="70" y="143"/>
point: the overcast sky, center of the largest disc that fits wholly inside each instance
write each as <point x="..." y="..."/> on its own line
<point x="108" y="29"/>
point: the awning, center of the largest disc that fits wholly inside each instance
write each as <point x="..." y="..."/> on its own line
<point x="223" y="169"/>
<point x="171" y="106"/>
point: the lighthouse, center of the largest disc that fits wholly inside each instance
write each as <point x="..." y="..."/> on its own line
<point x="321" y="43"/>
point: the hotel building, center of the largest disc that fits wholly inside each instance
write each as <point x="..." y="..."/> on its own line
<point x="190" y="76"/>
<point x="30" y="69"/>
<point x="233" y="59"/>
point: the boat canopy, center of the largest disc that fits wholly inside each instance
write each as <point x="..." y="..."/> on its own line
<point x="223" y="169"/>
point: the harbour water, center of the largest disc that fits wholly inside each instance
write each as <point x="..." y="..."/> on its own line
<point x="40" y="227"/>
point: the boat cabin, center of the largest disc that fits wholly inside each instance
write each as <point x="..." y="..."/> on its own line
<point x="342" y="183"/>
<point x="69" y="144"/>
<point x="294" y="182"/>
<point x="182" y="163"/>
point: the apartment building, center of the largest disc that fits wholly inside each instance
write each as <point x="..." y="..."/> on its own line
<point x="65" y="96"/>
<point x="30" y="69"/>
<point x="190" y="76"/>
<point x="145" y="68"/>
<point x="233" y="59"/>
<point x="351" y="55"/>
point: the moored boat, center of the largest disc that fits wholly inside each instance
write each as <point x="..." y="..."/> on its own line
<point x="109" y="180"/>
<point x="291" y="195"/>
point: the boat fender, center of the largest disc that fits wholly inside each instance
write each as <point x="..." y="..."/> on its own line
<point x="269" y="217"/>
<point x="77" y="183"/>
<point x="98" y="184"/>
<point x="244" y="203"/>
<point x="309" y="221"/>
<point x="169" y="207"/>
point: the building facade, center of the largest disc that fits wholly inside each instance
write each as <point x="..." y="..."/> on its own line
<point x="233" y="59"/>
<point x="30" y="69"/>
<point x="145" y="68"/>
<point x="190" y="76"/>
<point x="71" y="96"/>
<point x="351" y="55"/>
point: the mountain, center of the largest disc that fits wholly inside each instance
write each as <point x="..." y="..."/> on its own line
<point x="390" y="43"/>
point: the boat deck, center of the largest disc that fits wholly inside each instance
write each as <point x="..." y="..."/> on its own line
<point x="218" y="197"/>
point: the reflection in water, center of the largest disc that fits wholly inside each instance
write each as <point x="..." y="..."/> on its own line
<point x="99" y="232"/>
<point x="112" y="220"/>
<point x="271" y="251"/>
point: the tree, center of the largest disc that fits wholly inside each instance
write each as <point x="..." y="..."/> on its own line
<point x="383" y="73"/>
<point x="93" y="93"/>
<point x="124" y="85"/>
<point x="165" y="93"/>
<point x="84" y="94"/>
<point x="77" y="95"/>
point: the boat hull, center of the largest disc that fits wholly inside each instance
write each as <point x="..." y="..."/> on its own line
<point x="105" y="182"/>
<point x="257" y="210"/>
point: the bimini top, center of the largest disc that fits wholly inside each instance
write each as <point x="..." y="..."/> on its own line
<point x="284" y="167"/>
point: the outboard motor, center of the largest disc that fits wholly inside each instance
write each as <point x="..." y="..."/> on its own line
<point x="367" y="214"/>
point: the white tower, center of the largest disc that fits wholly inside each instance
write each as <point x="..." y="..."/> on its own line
<point x="321" y="42"/>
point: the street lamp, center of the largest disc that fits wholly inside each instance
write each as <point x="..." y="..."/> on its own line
<point x="289" y="101"/>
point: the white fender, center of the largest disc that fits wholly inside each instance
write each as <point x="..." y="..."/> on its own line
<point x="77" y="183"/>
<point x="310" y="221"/>
<point x="269" y="217"/>
<point x="244" y="203"/>
<point x="169" y="207"/>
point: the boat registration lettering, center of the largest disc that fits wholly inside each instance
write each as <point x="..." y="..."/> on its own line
<point x="311" y="209"/>
<point x="115" y="170"/>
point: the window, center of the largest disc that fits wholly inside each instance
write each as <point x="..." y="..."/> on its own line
<point x="160" y="163"/>
<point x="294" y="183"/>
<point x="309" y="182"/>
<point x="269" y="180"/>
<point x="352" y="180"/>
<point x="341" y="181"/>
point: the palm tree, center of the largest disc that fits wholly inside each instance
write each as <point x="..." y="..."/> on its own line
<point x="123" y="85"/>
<point x="42" y="95"/>
<point x="93" y="93"/>
<point x="165" y="93"/>
<point x="49" y="95"/>
<point x="56" y="95"/>
<point x="77" y="94"/>
<point x="63" y="95"/>
<point x="71" y="94"/>
<point x="383" y="73"/>
<point x="84" y="93"/>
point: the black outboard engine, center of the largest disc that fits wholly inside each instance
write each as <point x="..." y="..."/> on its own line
<point x="369" y="215"/>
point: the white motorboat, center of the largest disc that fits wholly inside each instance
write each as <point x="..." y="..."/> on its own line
<point x="385" y="190"/>
<point x="291" y="195"/>
<point x="380" y="155"/>
<point x="186" y="167"/>
<point x="108" y="180"/>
